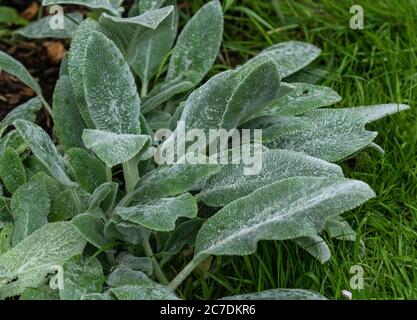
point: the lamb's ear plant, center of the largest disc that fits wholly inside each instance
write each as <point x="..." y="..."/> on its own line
<point x="101" y="209"/>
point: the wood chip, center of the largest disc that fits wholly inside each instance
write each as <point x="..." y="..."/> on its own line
<point x="30" y="11"/>
<point x="56" y="51"/>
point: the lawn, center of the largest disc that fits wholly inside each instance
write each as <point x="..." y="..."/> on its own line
<point x="370" y="66"/>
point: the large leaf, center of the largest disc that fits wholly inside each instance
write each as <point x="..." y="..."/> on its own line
<point x="113" y="148"/>
<point x="376" y="112"/>
<point x="30" y="206"/>
<point x="69" y="124"/>
<point x="76" y="61"/>
<point x="41" y="28"/>
<point x="90" y="171"/>
<point x="305" y="97"/>
<point x="146" y="39"/>
<point x="110" y="88"/>
<point x="336" y="135"/>
<point x="290" y="56"/>
<point x="288" y="209"/>
<point x="230" y="183"/>
<point x="12" y="171"/>
<point x="143" y="264"/>
<point x="81" y="277"/>
<point x="26" y="111"/>
<point x="111" y="6"/>
<point x="198" y="44"/>
<point x="279" y="294"/>
<point x="167" y="181"/>
<point x="15" y="68"/>
<point x="161" y="214"/>
<point x="44" y="150"/>
<point x="27" y="264"/>
<point x="232" y="96"/>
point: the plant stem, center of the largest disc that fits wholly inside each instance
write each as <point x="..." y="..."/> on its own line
<point x="109" y="174"/>
<point x="131" y="174"/>
<point x="47" y="106"/>
<point x="186" y="271"/>
<point x="157" y="269"/>
<point x="144" y="90"/>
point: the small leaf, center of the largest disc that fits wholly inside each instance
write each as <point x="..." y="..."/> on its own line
<point x="30" y="206"/>
<point x="337" y="134"/>
<point x="230" y="183"/>
<point x="107" y="5"/>
<point x="69" y="124"/>
<point x="104" y="196"/>
<point x="377" y="112"/>
<point x="32" y="259"/>
<point x="143" y="264"/>
<point x="316" y="246"/>
<point x="279" y="294"/>
<point x="5" y="212"/>
<point x="147" y="5"/>
<point x="12" y="171"/>
<point x="44" y="150"/>
<point x="63" y="207"/>
<point x="290" y="56"/>
<point x="198" y="44"/>
<point x="41" y="29"/>
<point x="90" y="171"/>
<point x="91" y="228"/>
<point x="15" y="68"/>
<point x="81" y="277"/>
<point x="110" y="88"/>
<point x="113" y="148"/>
<point x="26" y="111"/>
<point x="161" y="214"/>
<point x="304" y="98"/>
<point x="288" y="209"/>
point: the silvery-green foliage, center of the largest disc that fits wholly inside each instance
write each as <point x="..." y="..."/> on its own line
<point x="126" y="77"/>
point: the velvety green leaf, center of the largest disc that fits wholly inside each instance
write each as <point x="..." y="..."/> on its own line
<point x="290" y="56"/>
<point x="44" y="150"/>
<point x="279" y="294"/>
<point x="15" y="68"/>
<point x="125" y="231"/>
<point x="30" y="206"/>
<point x="10" y="16"/>
<point x="146" y="38"/>
<point x="316" y="246"/>
<point x="104" y="196"/>
<point x="12" y="171"/>
<point x="309" y="74"/>
<point x="41" y="28"/>
<point x="110" y="88"/>
<point x="168" y="181"/>
<point x="113" y="148"/>
<point x="143" y="264"/>
<point x="147" y="5"/>
<point x="13" y="140"/>
<point x="26" y="111"/>
<point x="275" y="126"/>
<point x="198" y="44"/>
<point x="81" y="277"/>
<point x="232" y="96"/>
<point x="161" y="214"/>
<point x="5" y="212"/>
<point x="230" y="183"/>
<point x="68" y="122"/>
<point x="90" y="171"/>
<point x="6" y="235"/>
<point x="337" y="134"/>
<point x="36" y="256"/>
<point x="163" y="93"/>
<point x="376" y="112"/>
<point x="111" y="6"/>
<point x="43" y="293"/>
<point x="97" y="296"/>
<point x="63" y="207"/>
<point x="288" y="209"/>
<point x="304" y="98"/>
<point x="340" y="229"/>
<point x="76" y="61"/>
<point x="91" y="228"/>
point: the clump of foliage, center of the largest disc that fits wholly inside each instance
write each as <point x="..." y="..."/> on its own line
<point x="99" y="206"/>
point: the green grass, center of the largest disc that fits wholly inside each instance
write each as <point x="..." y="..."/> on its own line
<point x="371" y="66"/>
